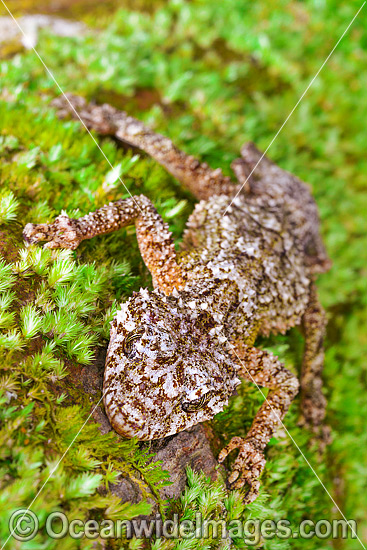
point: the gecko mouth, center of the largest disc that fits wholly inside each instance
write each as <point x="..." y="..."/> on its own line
<point x="177" y="420"/>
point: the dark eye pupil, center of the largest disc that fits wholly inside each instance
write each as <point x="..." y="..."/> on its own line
<point x="196" y="404"/>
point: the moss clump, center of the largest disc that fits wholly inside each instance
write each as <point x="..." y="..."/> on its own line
<point x="218" y="74"/>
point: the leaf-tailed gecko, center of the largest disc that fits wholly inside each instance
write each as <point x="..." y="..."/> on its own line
<point x="246" y="267"/>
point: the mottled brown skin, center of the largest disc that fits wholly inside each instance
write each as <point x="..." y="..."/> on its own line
<point x="247" y="267"/>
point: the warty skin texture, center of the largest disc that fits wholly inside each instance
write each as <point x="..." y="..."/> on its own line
<point x="247" y="267"/>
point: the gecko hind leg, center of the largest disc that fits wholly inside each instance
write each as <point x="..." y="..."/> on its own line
<point x="313" y="401"/>
<point x="199" y="178"/>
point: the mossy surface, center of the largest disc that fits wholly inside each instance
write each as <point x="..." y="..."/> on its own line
<point x="211" y="76"/>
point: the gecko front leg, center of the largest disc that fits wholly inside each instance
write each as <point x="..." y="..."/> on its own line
<point x="155" y="240"/>
<point x="264" y="369"/>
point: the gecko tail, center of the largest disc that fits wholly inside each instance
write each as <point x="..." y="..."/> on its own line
<point x="262" y="178"/>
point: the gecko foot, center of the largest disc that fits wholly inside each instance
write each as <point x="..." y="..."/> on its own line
<point x="60" y="234"/>
<point x="247" y="468"/>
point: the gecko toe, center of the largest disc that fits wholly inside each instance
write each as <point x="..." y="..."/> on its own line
<point x="233" y="476"/>
<point x="247" y="467"/>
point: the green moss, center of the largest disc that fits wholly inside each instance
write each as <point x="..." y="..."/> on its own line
<point x="211" y="76"/>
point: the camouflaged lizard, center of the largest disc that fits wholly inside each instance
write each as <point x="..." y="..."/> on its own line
<point x="247" y="267"/>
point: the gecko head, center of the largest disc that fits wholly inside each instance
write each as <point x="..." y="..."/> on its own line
<point x="164" y="372"/>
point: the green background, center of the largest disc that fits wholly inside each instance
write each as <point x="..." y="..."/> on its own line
<point x="210" y="75"/>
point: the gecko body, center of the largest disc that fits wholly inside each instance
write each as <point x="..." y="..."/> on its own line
<point x="246" y="267"/>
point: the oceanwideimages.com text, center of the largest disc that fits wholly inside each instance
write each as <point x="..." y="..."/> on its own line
<point x="24" y="525"/>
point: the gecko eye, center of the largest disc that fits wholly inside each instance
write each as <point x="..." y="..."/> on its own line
<point x="196" y="404"/>
<point x="128" y="346"/>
